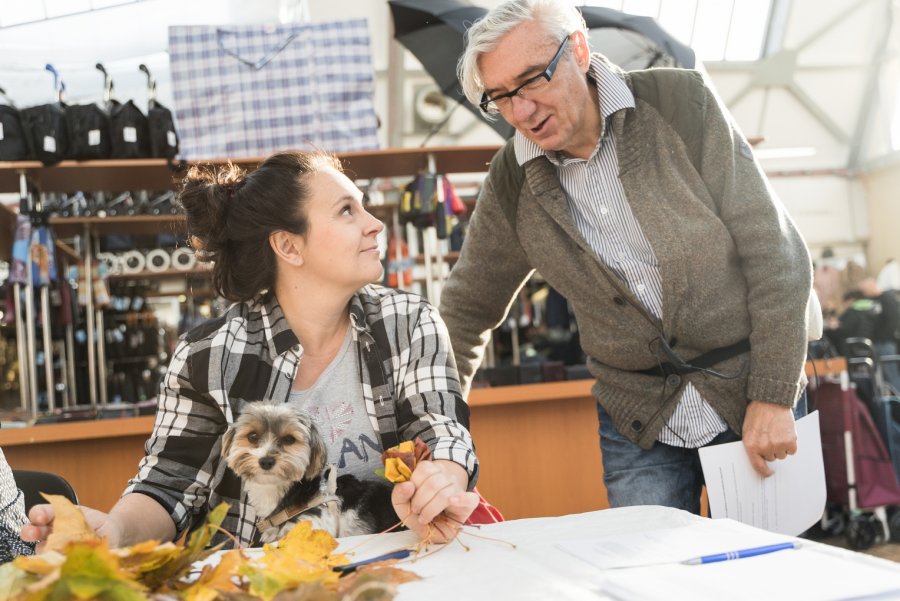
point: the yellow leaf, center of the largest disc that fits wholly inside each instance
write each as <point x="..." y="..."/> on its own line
<point x="396" y="470"/>
<point x="69" y="524"/>
<point x="220" y="578"/>
<point x="304" y="555"/>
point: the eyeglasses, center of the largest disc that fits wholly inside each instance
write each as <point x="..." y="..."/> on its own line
<point x="494" y="105"/>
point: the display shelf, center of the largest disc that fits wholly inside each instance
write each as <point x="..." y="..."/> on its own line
<point x="155" y="174"/>
<point x="168" y="273"/>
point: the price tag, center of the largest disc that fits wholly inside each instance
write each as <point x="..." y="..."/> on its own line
<point x="94" y="137"/>
<point x="49" y="144"/>
<point x="129" y="134"/>
<point x="170" y="138"/>
<point x="1" y="131"/>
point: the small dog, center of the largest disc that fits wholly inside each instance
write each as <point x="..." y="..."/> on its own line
<point x="279" y="455"/>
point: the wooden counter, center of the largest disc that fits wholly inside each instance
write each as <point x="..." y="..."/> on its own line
<point x="537" y="444"/>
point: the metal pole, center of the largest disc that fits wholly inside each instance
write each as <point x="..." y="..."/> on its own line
<point x="426" y="249"/>
<point x="31" y="343"/>
<point x="21" y="336"/>
<point x="89" y="314"/>
<point x="48" y="348"/>
<point x="101" y="357"/>
<point x="21" y="348"/>
<point x="63" y="364"/>
<point x="398" y="252"/>
<point x="71" y="384"/>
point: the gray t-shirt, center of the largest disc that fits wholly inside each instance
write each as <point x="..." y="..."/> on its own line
<point x="336" y="404"/>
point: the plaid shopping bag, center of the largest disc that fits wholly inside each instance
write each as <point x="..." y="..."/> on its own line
<point x="248" y="91"/>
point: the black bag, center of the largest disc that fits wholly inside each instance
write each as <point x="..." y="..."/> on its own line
<point x="163" y="137"/>
<point x="89" y="132"/>
<point x="48" y="133"/>
<point x="13" y="138"/>
<point x="130" y="133"/>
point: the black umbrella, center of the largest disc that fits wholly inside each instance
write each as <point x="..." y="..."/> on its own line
<point x="434" y="31"/>
<point x="634" y="42"/>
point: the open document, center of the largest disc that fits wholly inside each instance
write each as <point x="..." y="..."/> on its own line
<point x="650" y="566"/>
<point x="788" y="502"/>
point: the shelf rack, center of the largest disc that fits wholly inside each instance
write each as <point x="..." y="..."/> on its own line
<point x="155" y="174"/>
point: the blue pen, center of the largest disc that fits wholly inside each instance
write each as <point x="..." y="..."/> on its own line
<point x="740" y="554"/>
<point x="350" y="567"/>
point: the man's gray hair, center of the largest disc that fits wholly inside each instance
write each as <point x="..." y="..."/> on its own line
<point x="559" y="18"/>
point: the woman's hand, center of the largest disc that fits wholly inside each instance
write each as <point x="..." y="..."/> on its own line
<point x="40" y="525"/>
<point x="437" y="488"/>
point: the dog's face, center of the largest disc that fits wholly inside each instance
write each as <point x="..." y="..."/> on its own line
<point x="270" y="444"/>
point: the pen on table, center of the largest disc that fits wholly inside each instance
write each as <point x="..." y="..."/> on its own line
<point x="350" y="567"/>
<point x="741" y="553"/>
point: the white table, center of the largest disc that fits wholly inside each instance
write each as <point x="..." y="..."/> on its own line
<point x="538" y="569"/>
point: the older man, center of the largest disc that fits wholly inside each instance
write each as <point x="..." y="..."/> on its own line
<point x="636" y="197"/>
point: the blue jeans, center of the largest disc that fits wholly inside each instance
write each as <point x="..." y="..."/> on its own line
<point x="662" y="475"/>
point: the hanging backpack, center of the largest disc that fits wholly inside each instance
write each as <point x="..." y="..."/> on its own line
<point x="48" y="133"/>
<point x="161" y="122"/>
<point x="13" y="138"/>
<point x="130" y="134"/>
<point x="89" y="132"/>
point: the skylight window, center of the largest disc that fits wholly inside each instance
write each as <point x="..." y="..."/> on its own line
<point x="717" y="30"/>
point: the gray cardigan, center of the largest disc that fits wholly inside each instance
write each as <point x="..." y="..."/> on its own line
<point x="732" y="262"/>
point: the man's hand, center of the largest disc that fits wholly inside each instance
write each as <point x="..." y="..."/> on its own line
<point x="769" y="434"/>
<point x="436" y="488"/>
<point x="40" y="525"/>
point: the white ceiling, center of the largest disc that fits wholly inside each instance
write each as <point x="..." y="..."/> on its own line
<point x="828" y="89"/>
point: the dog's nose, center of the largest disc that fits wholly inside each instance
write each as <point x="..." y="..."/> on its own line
<point x="266" y="463"/>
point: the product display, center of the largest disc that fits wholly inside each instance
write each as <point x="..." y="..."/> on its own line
<point x="305" y="85"/>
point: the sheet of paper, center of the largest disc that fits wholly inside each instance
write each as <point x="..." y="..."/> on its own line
<point x="788" y="502"/>
<point x="667" y="545"/>
<point x="807" y="574"/>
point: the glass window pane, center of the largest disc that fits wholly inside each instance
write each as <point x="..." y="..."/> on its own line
<point x="711" y="29"/>
<point x="646" y="8"/>
<point x="677" y="18"/>
<point x="613" y="4"/>
<point x="748" y="30"/>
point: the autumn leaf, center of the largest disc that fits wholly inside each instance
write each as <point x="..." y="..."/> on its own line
<point x="69" y="524"/>
<point x="177" y="564"/>
<point x="303" y="556"/>
<point x="14" y="580"/>
<point x="214" y="580"/>
<point x="400" y="461"/>
<point x="90" y="571"/>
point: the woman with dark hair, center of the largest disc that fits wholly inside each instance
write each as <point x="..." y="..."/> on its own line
<point x="293" y="248"/>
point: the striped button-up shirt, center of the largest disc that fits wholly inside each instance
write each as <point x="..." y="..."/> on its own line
<point x="603" y="216"/>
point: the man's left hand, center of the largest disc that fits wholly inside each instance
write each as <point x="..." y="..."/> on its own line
<point x="769" y="434"/>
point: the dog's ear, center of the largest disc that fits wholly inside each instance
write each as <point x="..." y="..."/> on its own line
<point x="227" y="439"/>
<point x="318" y="453"/>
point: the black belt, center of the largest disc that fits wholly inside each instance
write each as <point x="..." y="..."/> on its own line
<point x="704" y="361"/>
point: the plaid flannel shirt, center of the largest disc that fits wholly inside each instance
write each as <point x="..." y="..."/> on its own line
<point x="409" y="382"/>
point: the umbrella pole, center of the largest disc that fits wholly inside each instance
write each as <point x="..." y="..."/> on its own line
<point x="30" y="343"/>
<point x="89" y="315"/>
<point x="439" y="252"/>
<point x="426" y="250"/>
<point x="101" y="356"/>
<point x="398" y="253"/>
<point x="21" y="337"/>
<point x="29" y="331"/>
<point x="48" y="348"/>
<point x="21" y="347"/>
<point x="71" y="385"/>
